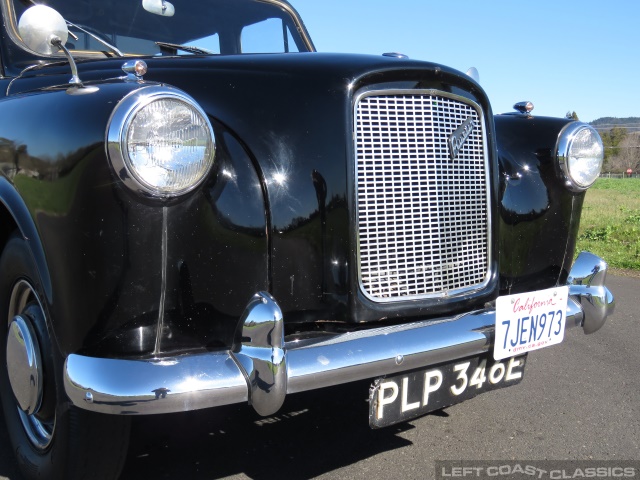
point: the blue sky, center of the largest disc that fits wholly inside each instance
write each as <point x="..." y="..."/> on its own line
<point x="562" y="55"/>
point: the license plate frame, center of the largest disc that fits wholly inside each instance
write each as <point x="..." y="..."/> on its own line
<point x="408" y="395"/>
<point x="530" y="321"/>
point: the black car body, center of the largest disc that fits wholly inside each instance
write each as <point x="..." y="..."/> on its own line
<point x="195" y="228"/>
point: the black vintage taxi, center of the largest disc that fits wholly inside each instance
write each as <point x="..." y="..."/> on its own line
<point x="198" y="209"/>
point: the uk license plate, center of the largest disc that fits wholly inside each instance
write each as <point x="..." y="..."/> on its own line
<point x="412" y="394"/>
<point x="529" y="321"/>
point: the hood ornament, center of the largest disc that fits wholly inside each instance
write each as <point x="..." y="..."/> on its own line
<point x="460" y="136"/>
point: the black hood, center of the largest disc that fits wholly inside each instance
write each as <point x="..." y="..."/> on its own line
<point x="293" y="113"/>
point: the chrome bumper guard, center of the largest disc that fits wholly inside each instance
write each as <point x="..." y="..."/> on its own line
<point x="262" y="369"/>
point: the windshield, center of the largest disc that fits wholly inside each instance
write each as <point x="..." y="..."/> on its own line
<point x="134" y="27"/>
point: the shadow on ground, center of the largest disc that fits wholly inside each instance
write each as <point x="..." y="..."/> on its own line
<point x="314" y="433"/>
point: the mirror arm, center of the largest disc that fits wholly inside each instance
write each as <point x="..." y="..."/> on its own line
<point x="75" y="79"/>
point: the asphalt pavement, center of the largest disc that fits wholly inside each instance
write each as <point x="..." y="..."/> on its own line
<point x="578" y="400"/>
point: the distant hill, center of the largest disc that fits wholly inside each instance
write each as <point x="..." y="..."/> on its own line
<point x="632" y="124"/>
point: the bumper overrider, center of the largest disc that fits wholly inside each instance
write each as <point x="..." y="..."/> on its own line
<point x="262" y="369"/>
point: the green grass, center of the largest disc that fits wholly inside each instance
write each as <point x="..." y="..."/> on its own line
<point x="610" y="224"/>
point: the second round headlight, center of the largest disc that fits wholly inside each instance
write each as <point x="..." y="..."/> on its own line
<point x="580" y="155"/>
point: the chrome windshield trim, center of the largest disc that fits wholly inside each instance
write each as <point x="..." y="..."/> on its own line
<point x="11" y="25"/>
<point x="302" y="30"/>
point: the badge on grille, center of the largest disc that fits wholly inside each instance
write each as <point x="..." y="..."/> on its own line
<point x="459" y="136"/>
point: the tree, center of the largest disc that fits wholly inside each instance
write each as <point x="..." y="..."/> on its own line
<point x="628" y="154"/>
<point x="611" y="140"/>
<point x="572" y="115"/>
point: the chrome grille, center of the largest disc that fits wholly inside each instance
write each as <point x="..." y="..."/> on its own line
<point x="423" y="218"/>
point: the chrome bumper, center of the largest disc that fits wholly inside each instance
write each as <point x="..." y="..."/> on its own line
<point x="262" y="369"/>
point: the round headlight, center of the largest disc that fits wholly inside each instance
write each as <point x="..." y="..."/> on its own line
<point x="163" y="140"/>
<point x="580" y="154"/>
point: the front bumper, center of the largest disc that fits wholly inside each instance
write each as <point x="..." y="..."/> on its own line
<point x="262" y="369"/>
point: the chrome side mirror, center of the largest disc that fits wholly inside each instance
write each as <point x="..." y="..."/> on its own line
<point x="45" y="32"/>
<point x="159" y="7"/>
<point x="43" y="29"/>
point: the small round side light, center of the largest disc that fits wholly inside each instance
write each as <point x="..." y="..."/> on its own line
<point x="524" y="107"/>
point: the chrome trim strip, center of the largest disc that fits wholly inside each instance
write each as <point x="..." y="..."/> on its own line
<point x="395" y="55"/>
<point x="192" y="382"/>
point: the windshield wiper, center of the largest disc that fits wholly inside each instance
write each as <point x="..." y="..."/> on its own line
<point x="185" y="48"/>
<point x="96" y="38"/>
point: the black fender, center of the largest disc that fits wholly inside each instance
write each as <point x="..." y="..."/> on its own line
<point x="59" y="189"/>
<point x="125" y="274"/>
<point x="16" y="216"/>
<point x="538" y="215"/>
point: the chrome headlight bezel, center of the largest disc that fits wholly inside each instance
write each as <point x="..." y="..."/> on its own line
<point x="118" y="127"/>
<point x="579" y="179"/>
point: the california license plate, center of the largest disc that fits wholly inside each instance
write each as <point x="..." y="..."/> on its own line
<point x="412" y="394"/>
<point x="529" y="321"/>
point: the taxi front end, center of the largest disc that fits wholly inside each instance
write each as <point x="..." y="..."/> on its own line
<point x="185" y="229"/>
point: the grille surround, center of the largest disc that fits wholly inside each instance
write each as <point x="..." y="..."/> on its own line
<point x="409" y="246"/>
